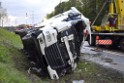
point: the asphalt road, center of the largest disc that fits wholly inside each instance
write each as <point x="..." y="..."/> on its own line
<point x="108" y="58"/>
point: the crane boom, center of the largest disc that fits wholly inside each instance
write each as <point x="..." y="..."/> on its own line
<point x="119" y="6"/>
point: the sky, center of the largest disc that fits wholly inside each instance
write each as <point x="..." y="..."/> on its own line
<point x="27" y="11"/>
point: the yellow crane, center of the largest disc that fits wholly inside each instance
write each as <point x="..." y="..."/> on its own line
<point x="116" y="9"/>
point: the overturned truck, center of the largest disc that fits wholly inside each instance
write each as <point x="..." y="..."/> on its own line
<point x="53" y="47"/>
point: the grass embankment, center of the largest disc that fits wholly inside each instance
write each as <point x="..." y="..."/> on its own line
<point x="12" y="61"/>
<point x="92" y="73"/>
<point x="13" y="66"/>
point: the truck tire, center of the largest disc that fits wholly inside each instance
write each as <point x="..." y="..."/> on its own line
<point x="122" y="44"/>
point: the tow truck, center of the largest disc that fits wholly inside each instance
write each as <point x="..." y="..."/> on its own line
<point x="104" y="32"/>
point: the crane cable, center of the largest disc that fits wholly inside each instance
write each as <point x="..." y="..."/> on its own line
<point x="99" y="13"/>
<point x="60" y="7"/>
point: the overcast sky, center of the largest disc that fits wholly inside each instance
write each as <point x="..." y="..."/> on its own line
<point x="36" y="10"/>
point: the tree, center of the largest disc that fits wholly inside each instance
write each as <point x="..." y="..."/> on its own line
<point x="90" y="8"/>
<point x="3" y="15"/>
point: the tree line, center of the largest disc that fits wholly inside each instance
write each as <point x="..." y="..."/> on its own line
<point x="89" y="8"/>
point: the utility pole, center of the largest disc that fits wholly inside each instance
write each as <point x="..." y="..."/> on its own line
<point x="33" y="18"/>
<point x="26" y="18"/>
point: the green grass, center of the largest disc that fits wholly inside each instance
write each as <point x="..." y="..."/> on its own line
<point x="12" y="61"/>
<point x="9" y="74"/>
<point x="92" y="73"/>
<point x="9" y="49"/>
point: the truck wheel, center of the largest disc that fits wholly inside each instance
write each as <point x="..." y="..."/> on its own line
<point x="93" y="41"/>
<point x="122" y="44"/>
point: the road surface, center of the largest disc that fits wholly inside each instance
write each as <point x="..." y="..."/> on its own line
<point x="111" y="59"/>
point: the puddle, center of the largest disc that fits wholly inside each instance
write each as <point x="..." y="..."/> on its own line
<point x="114" y="63"/>
<point x="107" y="60"/>
<point x="97" y="55"/>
